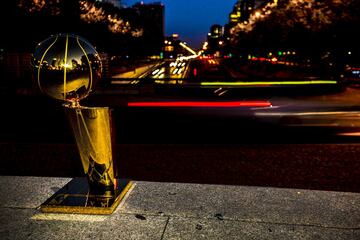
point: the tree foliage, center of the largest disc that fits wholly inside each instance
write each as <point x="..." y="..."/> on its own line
<point x="101" y="23"/>
<point x="305" y="25"/>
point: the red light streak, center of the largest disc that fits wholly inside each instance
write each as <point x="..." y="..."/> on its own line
<point x="201" y="104"/>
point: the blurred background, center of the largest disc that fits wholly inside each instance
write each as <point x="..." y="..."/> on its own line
<point x="261" y="93"/>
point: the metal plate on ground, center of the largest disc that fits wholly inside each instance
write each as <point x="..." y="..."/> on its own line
<point x="74" y="197"/>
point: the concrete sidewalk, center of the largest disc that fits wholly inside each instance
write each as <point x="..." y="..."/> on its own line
<point x="154" y="210"/>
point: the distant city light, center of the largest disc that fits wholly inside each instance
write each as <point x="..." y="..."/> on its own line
<point x="155" y="71"/>
<point x="205" y="46"/>
<point x="66" y="65"/>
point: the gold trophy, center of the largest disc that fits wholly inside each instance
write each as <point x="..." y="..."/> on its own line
<point x="66" y="68"/>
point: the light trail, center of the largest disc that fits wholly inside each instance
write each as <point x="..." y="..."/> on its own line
<point x="187" y="48"/>
<point x="279" y="83"/>
<point x="201" y="104"/>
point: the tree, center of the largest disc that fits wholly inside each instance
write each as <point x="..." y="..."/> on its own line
<point x="34" y="20"/>
<point x="309" y="27"/>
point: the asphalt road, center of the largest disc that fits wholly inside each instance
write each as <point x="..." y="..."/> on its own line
<point x="333" y="167"/>
<point x="331" y="117"/>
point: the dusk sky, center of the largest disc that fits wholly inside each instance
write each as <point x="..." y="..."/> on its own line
<point x="192" y="19"/>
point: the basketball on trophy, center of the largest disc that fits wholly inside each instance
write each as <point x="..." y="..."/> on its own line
<point x="66" y="67"/>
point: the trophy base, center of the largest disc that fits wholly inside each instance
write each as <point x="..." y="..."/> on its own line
<point x="74" y="197"/>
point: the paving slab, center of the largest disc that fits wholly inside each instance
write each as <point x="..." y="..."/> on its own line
<point x="256" y="204"/>
<point x="28" y="192"/>
<point x="153" y="210"/>
<point x="27" y="224"/>
<point x="189" y="228"/>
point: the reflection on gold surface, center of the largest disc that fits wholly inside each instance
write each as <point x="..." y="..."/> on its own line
<point x="67" y="66"/>
<point x="75" y="197"/>
<point x="92" y="132"/>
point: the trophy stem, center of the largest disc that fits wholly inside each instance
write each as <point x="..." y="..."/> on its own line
<point x="92" y="130"/>
<point x="100" y="192"/>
